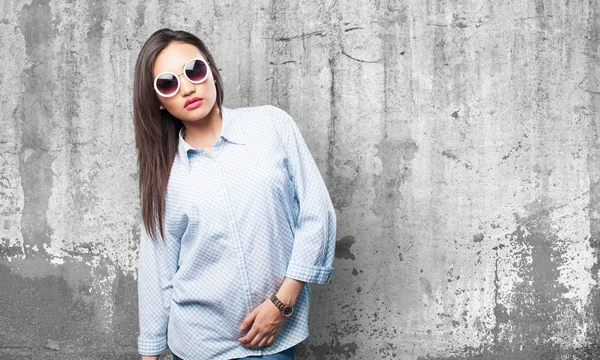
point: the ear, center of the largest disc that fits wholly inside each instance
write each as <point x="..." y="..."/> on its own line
<point x="161" y="107"/>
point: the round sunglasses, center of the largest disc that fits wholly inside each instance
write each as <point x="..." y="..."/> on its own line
<point x="167" y="84"/>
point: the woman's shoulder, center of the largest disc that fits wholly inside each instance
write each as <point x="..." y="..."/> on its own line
<point x="260" y="115"/>
<point x="263" y="123"/>
<point x="262" y="111"/>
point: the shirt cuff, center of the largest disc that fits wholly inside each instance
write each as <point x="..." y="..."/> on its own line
<point x="309" y="273"/>
<point x="151" y="346"/>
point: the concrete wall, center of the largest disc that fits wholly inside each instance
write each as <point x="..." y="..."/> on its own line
<point x="459" y="140"/>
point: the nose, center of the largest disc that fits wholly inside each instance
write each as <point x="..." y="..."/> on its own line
<point x="186" y="86"/>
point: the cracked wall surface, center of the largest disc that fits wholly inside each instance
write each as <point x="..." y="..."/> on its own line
<point x="459" y="142"/>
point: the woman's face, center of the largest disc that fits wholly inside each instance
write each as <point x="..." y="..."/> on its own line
<point x="172" y="59"/>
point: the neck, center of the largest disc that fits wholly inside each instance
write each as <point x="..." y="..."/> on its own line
<point x="206" y="131"/>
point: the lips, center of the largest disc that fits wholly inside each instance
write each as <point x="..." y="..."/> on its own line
<point x="192" y="103"/>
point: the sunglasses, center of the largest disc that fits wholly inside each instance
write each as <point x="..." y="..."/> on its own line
<point x="167" y="84"/>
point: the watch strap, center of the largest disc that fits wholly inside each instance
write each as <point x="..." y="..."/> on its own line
<point x="285" y="309"/>
<point x="277" y="302"/>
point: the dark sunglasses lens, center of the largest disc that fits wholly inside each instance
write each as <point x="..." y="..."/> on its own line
<point x="167" y="84"/>
<point x="196" y="70"/>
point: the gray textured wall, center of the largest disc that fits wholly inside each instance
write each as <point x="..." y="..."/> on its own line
<point x="459" y="141"/>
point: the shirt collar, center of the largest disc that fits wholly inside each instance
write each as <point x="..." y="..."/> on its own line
<point x="230" y="129"/>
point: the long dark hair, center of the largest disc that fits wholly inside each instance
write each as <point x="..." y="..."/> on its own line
<point x="156" y="131"/>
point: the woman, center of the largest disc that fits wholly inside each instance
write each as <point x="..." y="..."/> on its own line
<point x="237" y="220"/>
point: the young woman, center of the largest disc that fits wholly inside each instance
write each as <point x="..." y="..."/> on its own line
<point x="237" y="220"/>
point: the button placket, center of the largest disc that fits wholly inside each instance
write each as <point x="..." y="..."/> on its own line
<point x="237" y="244"/>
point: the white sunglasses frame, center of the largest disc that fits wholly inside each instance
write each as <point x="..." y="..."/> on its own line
<point x="184" y="74"/>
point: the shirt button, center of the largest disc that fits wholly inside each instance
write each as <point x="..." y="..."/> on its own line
<point x="239" y="254"/>
<point x="246" y="287"/>
<point x="231" y="222"/>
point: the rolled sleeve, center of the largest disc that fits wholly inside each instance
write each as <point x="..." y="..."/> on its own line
<point x="315" y="231"/>
<point x="157" y="264"/>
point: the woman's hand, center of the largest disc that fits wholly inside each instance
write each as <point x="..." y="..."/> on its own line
<point x="268" y="320"/>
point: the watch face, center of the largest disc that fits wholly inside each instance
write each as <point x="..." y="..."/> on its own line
<point x="288" y="310"/>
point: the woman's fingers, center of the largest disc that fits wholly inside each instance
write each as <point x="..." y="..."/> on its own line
<point x="266" y="324"/>
<point x="248" y="319"/>
<point x="259" y="336"/>
<point x="260" y="340"/>
<point x="249" y="336"/>
<point x="257" y="340"/>
<point x="264" y="341"/>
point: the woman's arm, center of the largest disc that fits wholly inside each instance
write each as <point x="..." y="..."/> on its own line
<point x="289" y="290"/>
<point x="315" y="229"/>
<point x="158" y="262"/>
<point x="314" y="235"/>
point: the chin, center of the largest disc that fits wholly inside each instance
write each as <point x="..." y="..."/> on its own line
<point x="195" y="114"/>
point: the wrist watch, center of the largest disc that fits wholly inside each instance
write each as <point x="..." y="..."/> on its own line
<point x="285" y="309"/>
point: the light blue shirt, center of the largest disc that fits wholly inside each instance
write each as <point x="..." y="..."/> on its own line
<point x="237" y="222"/>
